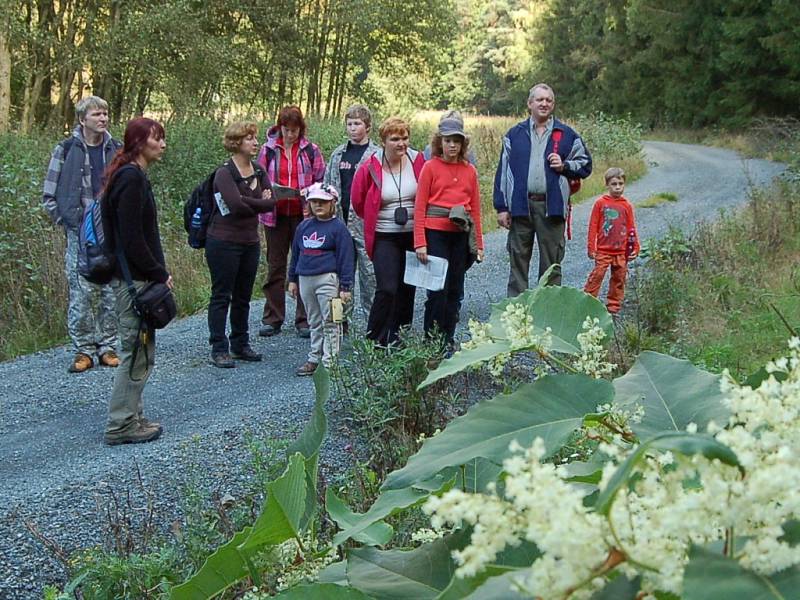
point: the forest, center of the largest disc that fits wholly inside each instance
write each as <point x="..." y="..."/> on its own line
<point x="666" y="63"/>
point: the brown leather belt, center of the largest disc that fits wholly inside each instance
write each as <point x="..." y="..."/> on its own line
<point x="536" y="197"/>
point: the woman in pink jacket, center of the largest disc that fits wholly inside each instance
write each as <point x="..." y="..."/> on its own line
<point x="383" y="194"/>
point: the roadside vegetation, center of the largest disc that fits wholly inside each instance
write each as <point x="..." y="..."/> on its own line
<point x="657" y="200"/>
<point x="729" y="294"/>
<point x="33" y="291"/>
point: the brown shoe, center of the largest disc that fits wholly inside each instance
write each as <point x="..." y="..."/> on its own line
<point x="307" y="369"/>
<point x="82" y="362"/>
<point x="139" y="434"/>
<point x="109" y="359"/>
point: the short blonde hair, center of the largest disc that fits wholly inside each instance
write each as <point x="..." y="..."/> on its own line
<point x="236" y="132"/>
<point x="614" y="172"/>
<point x="88" y="103"/>
<point x="359" y="111"/>
<point x="391" y="126"/>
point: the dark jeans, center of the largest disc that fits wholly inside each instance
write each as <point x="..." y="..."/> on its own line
<point x="393" y="305"/>
<point x="233" y="271"/>
<point x="279" y="242"/>
<point x="442" y="308"/>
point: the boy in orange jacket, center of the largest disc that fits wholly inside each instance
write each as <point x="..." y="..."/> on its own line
<point x="612" y="240"/>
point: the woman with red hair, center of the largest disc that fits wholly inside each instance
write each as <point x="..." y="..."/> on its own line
<point x="292" y="162"/>
<point x="130" y="209"/>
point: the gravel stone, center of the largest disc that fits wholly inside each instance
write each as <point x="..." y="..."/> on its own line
<point x="54" y="463"/>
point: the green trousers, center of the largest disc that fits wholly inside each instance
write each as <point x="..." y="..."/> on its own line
<point x="136" y="363"/>
<point x="549" y="235"/>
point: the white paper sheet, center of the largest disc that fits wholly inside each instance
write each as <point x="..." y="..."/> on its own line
<point x="430" y="276"/>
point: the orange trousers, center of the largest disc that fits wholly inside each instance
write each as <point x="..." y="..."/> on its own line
<point x="616" y="287"/>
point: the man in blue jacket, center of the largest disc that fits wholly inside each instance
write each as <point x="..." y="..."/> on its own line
<point x="531" y="187"/>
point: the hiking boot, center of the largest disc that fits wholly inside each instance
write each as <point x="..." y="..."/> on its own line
<point x="222" y="360"/>
<point x="82" y="362"/>
<point x="248" y="354"/>
<point x="139" y="434"/>
<point x="269" y="330"/>
<point x="306" y="370"/>
<point x="109" y="359"/>
<point x="303" y="332"/>
<point x="145" y="422"/>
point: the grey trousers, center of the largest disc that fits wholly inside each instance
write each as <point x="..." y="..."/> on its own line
<point x="125" y="407"/>
<point x="366" y="272"/>
<point x="549" y="234"/>
<point x="317" y="292"/>
<point x="91" y="321"/>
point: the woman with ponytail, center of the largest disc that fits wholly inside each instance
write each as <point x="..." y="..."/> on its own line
<point x="130" y="220"/>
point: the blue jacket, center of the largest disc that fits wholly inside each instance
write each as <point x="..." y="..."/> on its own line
<point x="323" y="247"/>
<point x="511" y="179"/>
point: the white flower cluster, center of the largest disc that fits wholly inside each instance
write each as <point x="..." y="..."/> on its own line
<point x="673" y="501"/>
<point x="426" y="535"/>
<point x="593" y="359"/>
<point x="520" y="331"/>
<point x="479" y="333"/>
<point x="539" y="506"/>
<point x="298" y="565"/>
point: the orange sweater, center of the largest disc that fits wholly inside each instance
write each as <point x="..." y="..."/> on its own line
<point x="446" y="185"/>
<point x="610" y="226"/>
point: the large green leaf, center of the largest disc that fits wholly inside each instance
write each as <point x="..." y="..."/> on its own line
<point x="562" y="309"/>
<point x="392" y="501"/>
<point x="310" y="441"/>
<point x="226" y="566"/>
<point x="511" y="559"/>
<point x="621" y="588"/>
<point x="463" y="359"/>
<point x="422" y="573"/>
<point x="377" y="534"/>
<point x="283" y="509"/>
<point x="334" y="573"/>
<point x="682" y="443"/>
<point x="550" y="408"/>
<point x="500" y="587"/>
<point x="673" y="392"/>
<point x="713" y="576"/>
<point x="322" y="591"/>
<point x="477" y="474"/>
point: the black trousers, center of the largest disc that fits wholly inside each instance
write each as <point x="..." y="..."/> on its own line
<point x="442" y="308"/>
<point x="393" y="305"/>
<point x="233" y="272"/>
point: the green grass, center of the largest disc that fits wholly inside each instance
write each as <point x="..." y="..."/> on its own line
<point x="729" y="297"/>
<point x="657" y="199"/>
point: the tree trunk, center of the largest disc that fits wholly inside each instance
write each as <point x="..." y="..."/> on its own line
<point x="5" y="82"/>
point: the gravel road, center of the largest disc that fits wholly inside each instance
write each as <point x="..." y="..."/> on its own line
<point x="54" y="463"/>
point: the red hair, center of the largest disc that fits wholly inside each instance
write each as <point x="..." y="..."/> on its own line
<point x="292" y="116"/>
<point x="138" y="131"/>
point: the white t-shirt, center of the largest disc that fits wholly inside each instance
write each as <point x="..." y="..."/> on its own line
<point x="398" y="189"/>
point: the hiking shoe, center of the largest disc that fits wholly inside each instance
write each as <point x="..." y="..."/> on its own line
<point x="145" y="422"/>
<point x="269" y="330"/>
<point x="248" y="354"/>
<point x="222" y="360"/>
<point x="82" y="362"/>
<point x="140" y="434"/>
<point x="307" y="369"/>
<point x="109" y="359"/>
<point x="303" y="332"/>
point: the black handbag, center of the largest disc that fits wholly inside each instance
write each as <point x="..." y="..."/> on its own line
<point x="155" y="304"/>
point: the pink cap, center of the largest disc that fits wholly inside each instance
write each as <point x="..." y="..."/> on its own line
<point x="320" y="191"/>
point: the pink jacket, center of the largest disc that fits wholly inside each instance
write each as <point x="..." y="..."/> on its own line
<point x="365" y="194"/>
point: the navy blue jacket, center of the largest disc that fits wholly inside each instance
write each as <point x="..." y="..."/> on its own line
<point x="323" y="247"/>
<point x="511" y="179"/>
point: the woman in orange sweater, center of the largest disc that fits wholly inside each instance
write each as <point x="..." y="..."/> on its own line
<point x="447" y="222"/>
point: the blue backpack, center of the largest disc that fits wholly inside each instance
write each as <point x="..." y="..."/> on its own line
<point x="96" y="262"/>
